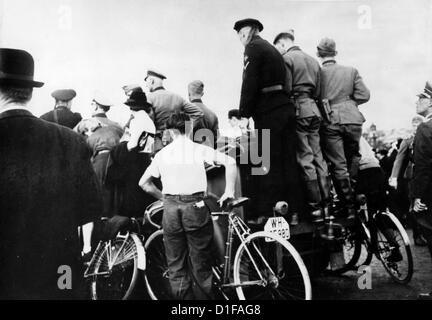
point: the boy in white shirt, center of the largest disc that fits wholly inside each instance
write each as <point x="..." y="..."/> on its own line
<point x="187" y="223"/>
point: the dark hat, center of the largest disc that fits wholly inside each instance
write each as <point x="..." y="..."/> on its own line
<point x="283" y="35"/>
<point x="17" y="68"/>
<point x="131" y="87"/>
<point x="427" y="93"/>
<point x="64" y="94"/>
<point x="137" y="101"/>
<point x="234" y="113"/>
<point x="155" y="74"/>
<point x="196" y="87"/>
<point x="327" y="45"/>
<point x="248" y="22"/>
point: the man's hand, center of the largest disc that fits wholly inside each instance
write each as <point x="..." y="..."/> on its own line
<point x="226" y="196"/>
<point x="393" y="182"/>
<point x="419" y="206"/>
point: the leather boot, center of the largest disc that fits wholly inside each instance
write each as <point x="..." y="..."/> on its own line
<point x="314" y="200"/>
<point x="324" y="185"/>
<point x="347" y="196"/>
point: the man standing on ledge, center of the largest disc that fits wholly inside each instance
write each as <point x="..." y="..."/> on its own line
<point x="264" y="99"/>
<point x="62" y="113"/>
<point x="210" y="120"/>
<point x="303" y="74"/>
<point x="165" y="103"/>
<point x="342" y="91"/>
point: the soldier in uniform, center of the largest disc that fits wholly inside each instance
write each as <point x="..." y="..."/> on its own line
<point x="303" y="80"/>
<point x="210" y="120"/>
<point x="62" y="113"/>
<point x="422" y="180"/>
<point x="264" y="99"/>
<point x="166" y="103"/>
<point x="342" y="91"/>
<point x="103" y="135"/>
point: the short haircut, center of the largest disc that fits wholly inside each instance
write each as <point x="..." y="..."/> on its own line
<point x="178" y="121"/>
<point x="283" y="35"/>
<point x="104" y="108"/>
<point x="13" y="94"/>
<point x="234" y="113"/>
<point x="326" y="54"/>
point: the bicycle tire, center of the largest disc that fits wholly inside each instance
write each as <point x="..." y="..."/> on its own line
<point x="392" y="268"/>
<point x="156" y="274"/>
<point x="273" y="281"/>
<point x="128" y="263"/>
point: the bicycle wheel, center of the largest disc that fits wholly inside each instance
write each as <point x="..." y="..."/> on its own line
<point x="350" y="248"/>
<point x="116" y="269"/>
<point x="392" y="236"/>
<point x="156" y="275"/>
<point x="270" y="270"/>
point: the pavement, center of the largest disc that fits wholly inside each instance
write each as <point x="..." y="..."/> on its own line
<point x="382" y="287"/>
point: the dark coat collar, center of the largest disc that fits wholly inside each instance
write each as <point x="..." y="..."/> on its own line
<point x="100" y="115"/>
<point x="294" y="48"/>
<point x="332" y="61"/>
<point x="15" y="113"/>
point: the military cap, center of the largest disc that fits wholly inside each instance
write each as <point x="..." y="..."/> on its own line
<point x="64" y="94"/>
<point x="248" y="22"/>
<point x="196" y="87"/>
<point x="327" y="45"/>
<point x="427" y="93"/>
<point x="155" y="74"/>
<point x="17" y="68"/>
<point x="283" y="35"/>
<point x="102" y="100"/>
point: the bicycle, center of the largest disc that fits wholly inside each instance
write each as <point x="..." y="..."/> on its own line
<point x="382" y="235"/>
<point x="116" y="263"/>
<point x="266" y="266"/>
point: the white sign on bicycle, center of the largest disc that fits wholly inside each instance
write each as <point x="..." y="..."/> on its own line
<point x="279" y="226"/>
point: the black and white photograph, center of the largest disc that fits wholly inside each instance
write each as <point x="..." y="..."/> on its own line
<point x="227" y="151"/>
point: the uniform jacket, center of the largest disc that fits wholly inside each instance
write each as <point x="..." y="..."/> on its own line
<point x="403" y="165"/>
<point x="343" y="87"/>
<point x="166" y="103"/>
<point x="263" y="67"/>
<point x="62" y="116"/>
<point x="210" y="120"/>
<point x="422" y="180"/>
<point x="47" y="189"/>
<point x="103" y="138"/>
<point x="303" y="79"/>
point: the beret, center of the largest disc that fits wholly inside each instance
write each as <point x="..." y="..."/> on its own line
<point x="248" y="22"/>
<point x="64" y="94"/>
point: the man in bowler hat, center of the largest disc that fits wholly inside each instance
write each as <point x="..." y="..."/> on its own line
<point x="48" y="189"/>
<point x="62" y="113"/>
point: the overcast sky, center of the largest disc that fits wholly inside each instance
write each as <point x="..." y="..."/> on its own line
<point x="102" y="45"/>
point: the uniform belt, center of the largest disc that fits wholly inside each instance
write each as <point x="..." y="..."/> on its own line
<point x="272" y="88"/>
<point x="339" y="100"/>
<point x="186" y="197"/>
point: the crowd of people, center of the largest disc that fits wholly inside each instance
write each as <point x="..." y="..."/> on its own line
<point x="61" y="172"/>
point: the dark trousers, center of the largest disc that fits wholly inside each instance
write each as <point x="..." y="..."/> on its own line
<point x="188" y="236"/>
<point x="340" y="144"/>
<point x="100" y="164"/>
<point x="424" y="220"/>
<point x="309" y="155"/>
<point x="281" y="180"/>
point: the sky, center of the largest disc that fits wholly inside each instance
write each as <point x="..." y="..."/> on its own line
<point x="102" y="45"/>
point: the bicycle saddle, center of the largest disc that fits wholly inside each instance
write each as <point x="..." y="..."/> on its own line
<point x="238" y="202"/>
